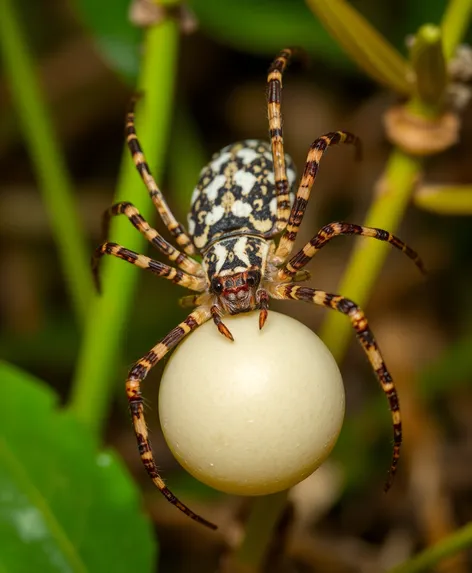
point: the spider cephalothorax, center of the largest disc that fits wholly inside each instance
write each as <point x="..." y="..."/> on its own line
<point x="241" y="204"/>
<point x="235" y="267"/>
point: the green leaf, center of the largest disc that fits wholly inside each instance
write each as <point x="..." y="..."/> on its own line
<point x="116" y="38"/>
<point x="367" y="47"/>
<point x="266" y="26"/>
<point x="64" y="506"/>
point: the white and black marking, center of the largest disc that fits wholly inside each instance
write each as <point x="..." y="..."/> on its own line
<point x="236" y="254"/>
<point x="236" y="192"/>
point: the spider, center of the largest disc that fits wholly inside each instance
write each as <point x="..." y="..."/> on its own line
<point x="242" y="201"/>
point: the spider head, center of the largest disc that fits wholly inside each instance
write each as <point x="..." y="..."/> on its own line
<point x="235" y="266"/>
<point x="237" y="292"/>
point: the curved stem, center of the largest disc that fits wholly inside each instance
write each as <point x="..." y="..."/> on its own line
<point x="386" y="212"/>
<point x="48" y="161"/>
<point x="109" y="315"/>
<point x="429" y="558"/>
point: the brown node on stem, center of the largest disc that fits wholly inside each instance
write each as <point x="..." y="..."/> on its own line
<point x="145" y="13"/>
<point x="419" y="135"/>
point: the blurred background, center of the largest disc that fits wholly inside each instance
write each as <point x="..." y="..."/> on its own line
<point x="340" y="519"/>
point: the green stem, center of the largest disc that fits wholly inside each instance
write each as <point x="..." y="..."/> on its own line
<point x="386" y="212"/>
<point x="454" y="25"/>
<point x="51" y="171"/>
<point x="429" y="558"/>
<point x="265" y="513"/>
<point x="100" y="351"/>
<point x="445" y="199"/>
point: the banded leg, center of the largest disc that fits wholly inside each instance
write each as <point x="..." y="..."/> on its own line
<point x="175" y="228"/>
<point x="317" y="148"/>
<point x="332" y="230"/>
<point x="274" y="98"/>
<point x="160" y="269"/>
<point x="133" y="391"/>
<point x="367" y="340"/>
<point x="183" y="261"/>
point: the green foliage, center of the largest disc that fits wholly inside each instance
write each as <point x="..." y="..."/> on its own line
<point x="266" y="25"/>
<point x="64" y="505"/>
<point x="117" y="39"/>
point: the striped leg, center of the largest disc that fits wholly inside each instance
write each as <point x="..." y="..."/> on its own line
<point x="189" y="301"/>
<point x="274" y="97"/>
<point x="143" y="262"/>
<point x="317" y="148"/>
<point x="367" y="340"/>
<point x="137" y="220"/>
<point x="133" y="391"/>
<point x="332" y="230"/>
<point x="175" y="228"/>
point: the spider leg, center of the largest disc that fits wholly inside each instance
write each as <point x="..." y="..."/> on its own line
<point x="189" y="301"/>
<point x="183" y="261"/>
<point x="133" y="391"/>
<point x="317" y="148"/>
<point x="332" y="230"/>
<point x="175" y="228"/>
<point x="274" y="97"/>
<point x="367" y="340"/>
<point x="160" y="269"/>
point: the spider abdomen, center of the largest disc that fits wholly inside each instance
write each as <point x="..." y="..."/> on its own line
<point x="236" y="192"/>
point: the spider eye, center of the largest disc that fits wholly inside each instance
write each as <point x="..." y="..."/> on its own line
<point x="253" y="278"/>
<point x="216" y="286"/>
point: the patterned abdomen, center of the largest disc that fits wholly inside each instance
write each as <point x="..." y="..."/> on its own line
<point x="236" y="192"/>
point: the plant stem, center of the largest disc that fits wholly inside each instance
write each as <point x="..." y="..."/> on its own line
<point x="386" y="212"/>
<point x="445" y="199"/>
<point x="105" y="328"/>
<point x="454" y="25"/>
<point x="265" y="513"/>
<point x="48" y="161"/>
<point x="429" y="558"/>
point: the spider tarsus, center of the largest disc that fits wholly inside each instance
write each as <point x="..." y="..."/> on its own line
<point x="225" y="331"/>
<point x="262" y="318"/>
<point x="388" y="483"/>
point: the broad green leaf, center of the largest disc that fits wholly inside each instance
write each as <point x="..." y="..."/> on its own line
<point x="116" y="38"/>
<point x="266" y="26"/>
<point x="263" y="27"/>
<point x="64" y="506"/>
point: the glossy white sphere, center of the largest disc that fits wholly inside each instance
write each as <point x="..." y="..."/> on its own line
<point x="254" y="416"/>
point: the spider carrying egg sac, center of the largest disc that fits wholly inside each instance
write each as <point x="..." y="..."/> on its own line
<point x="254" y="416"/>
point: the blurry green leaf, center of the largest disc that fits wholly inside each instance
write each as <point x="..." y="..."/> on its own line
<point x="266" y="26"/>
<point x="116" y="38"/>
<point x="64" y="506"/>
<point x="456" y="20"/>
<point x="369" y="49"/>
